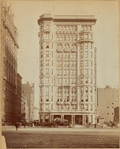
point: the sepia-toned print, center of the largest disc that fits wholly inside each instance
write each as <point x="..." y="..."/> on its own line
<point x="60" y="74"/>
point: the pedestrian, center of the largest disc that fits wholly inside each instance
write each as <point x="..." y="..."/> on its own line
<point x="24" y="124"/>
<point x="17" y="125"/>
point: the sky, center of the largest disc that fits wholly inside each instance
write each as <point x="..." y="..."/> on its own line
<point x="26" y="14"/>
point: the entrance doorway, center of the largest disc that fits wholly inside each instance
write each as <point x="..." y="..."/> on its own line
<point x="67" y="117"/>
<point x="78" y="119"/>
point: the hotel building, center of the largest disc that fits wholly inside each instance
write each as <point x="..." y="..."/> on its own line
<point x="67" y="68"/>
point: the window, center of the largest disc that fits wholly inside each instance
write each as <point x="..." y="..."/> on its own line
<point x="90" y="98"/>
<point x="75" y="81"/>
<point x="90" y="63"/>
<point x="86" y="54"/>
<point x="60" y="64"/>
<point x="82" y="99"/>
<point x="67" y="81"/>
<point x="47" y="62"/>
<point x="71" y="81"/>
<point x="67" y="63"/>
<point x="41" y="71"/>
<point x="91" y="45"/>
<point x="86" y="63"/>
<point x="52" y="98"/>
<point x="64" y="72"/>
<point x="47" y="71"/>
<point x="81" y="46"/>
<point x="81" y="54"/>
<point x="41" y="63"/>
<point x="90" y="107"/>
<point x="90" y="54"/>
<point x="81" y="36"/>
<point x="47" y="106"/>
<point x="86" y="36"/>
<point x="52" y="62"/>
<point x="71" y="55"/>
<point x="86" y="71"/>
<point x="86" y="98"/>
<point x="60" y="72"/>
<point x="60" y="80"/>
<point x="86" y="107"/>
<point x="91" y="36"/>
<point x="82" y="106"/>
<point x="47" y="26"/>
<point x="74" y="55"/>
<point x="47" y="80"/>
<point x="47" y="53"/>
<point x="47" y="45"/>
<point x="67" y="72"/>
<point x="52" y="71"/>
<point x="81" y="71"/>
<point x="51" y="107"/>
<point x="90" y="80"/>
<point x="57" y="72"/>
<point x="74" y="72"/>
<point x="86" y="80"/>
<point x="81" y="80"/>
<point x="64" y="63"/>
<point x="71" y="72"/>
<point x="90" y="71"/>
<point x="86" y="89"/>
<point x="41" y="54"/>
<point x="47" y="89"/>
<point x="47" y="36"/>
<point x="81" y="63"/>
<point x="91" y="89"/>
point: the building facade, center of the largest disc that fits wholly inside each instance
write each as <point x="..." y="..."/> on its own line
<point x="24" y="109"/>
<point x="67" y="68"/>
<point x="107" y="103"/>
<point x="28" y="92"/>
<point x="9" y="46"/>
<point x="36" y="113"/>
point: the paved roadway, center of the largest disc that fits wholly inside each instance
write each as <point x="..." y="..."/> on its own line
<point x="78" y="137"/>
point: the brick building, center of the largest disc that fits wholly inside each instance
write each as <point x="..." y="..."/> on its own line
<point x="67" y="68"/>
<point x="28" y="92"/>
<point x="9" y="46"/>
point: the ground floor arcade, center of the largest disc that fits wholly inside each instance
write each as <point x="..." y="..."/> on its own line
<point x="73" y="118"/>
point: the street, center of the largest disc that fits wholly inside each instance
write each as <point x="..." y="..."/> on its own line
<point x="39" y="137"/>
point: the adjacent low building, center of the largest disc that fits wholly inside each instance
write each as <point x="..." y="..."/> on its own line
<point x="107" y="103"/>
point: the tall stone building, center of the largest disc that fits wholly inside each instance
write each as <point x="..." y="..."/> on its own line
<point x="67" y="68"/>
<point x="28" y="92"/>
<point x="9" y="46"/>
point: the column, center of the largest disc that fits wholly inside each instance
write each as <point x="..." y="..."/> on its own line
<point x="83" y="119"/>
<point x="50" y="118"/>
<point x="73" y="119"/>
<point x="43" y="118"/>
<point x="93" y="119"/>
<point x="62" y="117"/>
<point x="89" y="119"/>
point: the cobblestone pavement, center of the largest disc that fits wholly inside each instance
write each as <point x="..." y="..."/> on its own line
<point x="82" y="137"/>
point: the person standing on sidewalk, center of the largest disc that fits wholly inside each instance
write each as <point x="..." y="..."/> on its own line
<point x="17" y="125"/>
